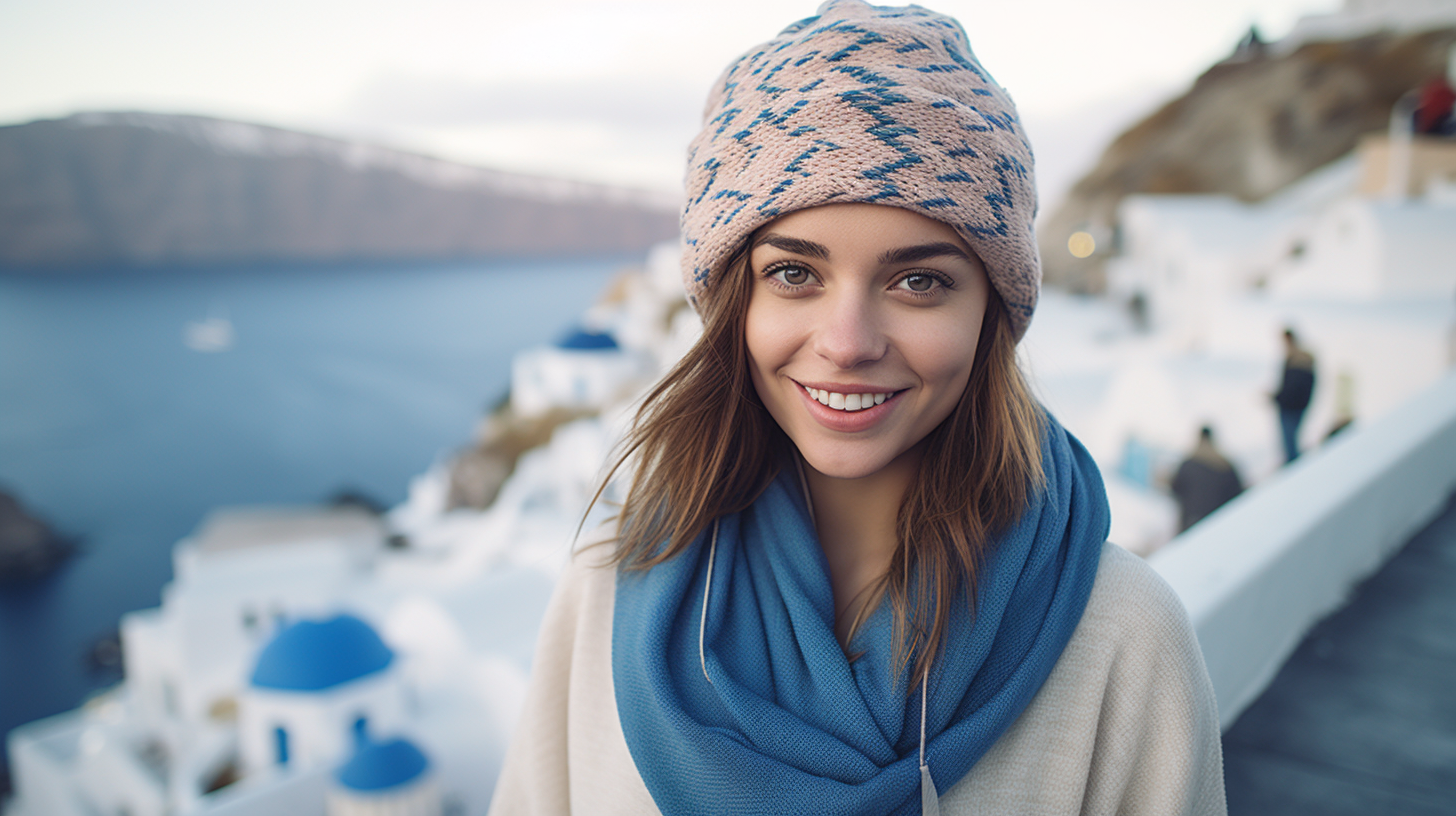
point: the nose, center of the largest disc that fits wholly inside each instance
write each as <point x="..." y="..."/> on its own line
<point x="848" y="333"/>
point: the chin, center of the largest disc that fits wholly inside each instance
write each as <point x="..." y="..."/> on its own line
<point x="844" y="462"/>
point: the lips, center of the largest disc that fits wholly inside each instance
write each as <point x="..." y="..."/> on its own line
<point x="853" y="401"/>
<point x="830" y="405"/>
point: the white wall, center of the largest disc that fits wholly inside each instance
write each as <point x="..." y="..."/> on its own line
<point x="113" y="777"/>
<point x="1259" y="572"/>
<point x="42" y="755"/>
<point x="298" y="793"/>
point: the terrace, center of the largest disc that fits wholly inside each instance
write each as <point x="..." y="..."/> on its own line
<point x="1350" y="712"/>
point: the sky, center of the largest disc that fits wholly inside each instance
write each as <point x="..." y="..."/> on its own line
<point x="602" y="91"/>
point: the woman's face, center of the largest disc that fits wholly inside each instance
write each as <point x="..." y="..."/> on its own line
<point x="861" y="329"/>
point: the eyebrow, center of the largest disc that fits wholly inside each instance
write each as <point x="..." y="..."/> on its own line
<point x="797" y="246"/>
<point x="901" y="255"/>
<point x="922" y="252"/>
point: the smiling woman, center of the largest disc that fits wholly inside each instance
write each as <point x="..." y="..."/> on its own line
<point x="857" y="565"/>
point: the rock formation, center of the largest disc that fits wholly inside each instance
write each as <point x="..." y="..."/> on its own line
<point x="478" y="472"/>
<point x="28" y="548"/>
<point x="1248" y="127"/>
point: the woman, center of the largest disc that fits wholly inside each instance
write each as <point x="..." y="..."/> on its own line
<point x="858" y="567"/>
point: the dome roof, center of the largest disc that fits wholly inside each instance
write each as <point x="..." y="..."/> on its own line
<point x="310" y="655"/>
<point x="583" y="340"/>
<point x="378" y="766"/>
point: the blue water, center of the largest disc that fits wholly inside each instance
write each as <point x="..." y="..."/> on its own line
<point x="116" y="432"/>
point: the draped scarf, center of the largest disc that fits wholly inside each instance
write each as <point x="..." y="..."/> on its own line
<point x="771" y="717"/>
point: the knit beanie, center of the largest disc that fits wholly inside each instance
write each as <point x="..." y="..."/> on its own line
<point x="867" y="104"/>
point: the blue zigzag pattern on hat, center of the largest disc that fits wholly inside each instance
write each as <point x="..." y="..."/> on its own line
<point x="845" y="81"/>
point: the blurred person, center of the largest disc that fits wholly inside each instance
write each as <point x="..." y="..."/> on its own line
<point x="857" y="565"/>
<point x="1433" y="115"/>
<point x="1296" y="387"/>
<point x="1137" y="310"/>
<point x="1204" y="482"/>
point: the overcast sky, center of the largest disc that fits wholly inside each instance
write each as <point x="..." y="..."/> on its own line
<point x="607" y="91"/>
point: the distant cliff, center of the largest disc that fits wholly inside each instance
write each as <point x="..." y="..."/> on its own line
<point x="1248" y="127"/>
<point x="147" y="189"/>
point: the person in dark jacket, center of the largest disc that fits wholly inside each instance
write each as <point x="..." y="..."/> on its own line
<point x="1436" y="111"/>
<point x="1205" y="481"/>
<point x="1295" y="389"/>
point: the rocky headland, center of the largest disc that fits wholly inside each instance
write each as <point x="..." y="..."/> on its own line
<point x="1250" y="126"/>
<point x="29" y="548"/>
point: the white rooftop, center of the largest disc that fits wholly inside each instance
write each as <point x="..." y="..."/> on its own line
<point x="235" y="528"/>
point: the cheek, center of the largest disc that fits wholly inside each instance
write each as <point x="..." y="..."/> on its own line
<point x="772" y="330"/>
<point x="765" y="341"/>
<point x="944" y="357"/>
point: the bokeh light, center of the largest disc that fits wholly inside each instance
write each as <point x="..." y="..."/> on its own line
<point x="1081" y="244"/>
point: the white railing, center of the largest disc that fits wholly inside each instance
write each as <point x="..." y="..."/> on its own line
<point x="1264" y="568"/>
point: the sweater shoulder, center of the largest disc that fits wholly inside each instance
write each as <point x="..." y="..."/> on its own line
<point x="1132" y="600"/>
<point x="1135" y="636"/>
<point x="1128" y="709"/>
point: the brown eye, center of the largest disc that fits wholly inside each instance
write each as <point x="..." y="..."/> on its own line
<point x="792" y="275"/>
<point x="919" y="283"/>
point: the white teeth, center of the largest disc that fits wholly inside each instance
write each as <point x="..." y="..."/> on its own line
<point x="846" y="402"/>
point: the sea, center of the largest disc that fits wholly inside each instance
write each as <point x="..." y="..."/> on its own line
<point x="133" y="402"/>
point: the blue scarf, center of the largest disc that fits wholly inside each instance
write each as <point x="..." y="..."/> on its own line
<point x="789" y="725"/>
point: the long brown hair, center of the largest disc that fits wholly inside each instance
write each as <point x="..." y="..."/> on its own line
<point x="703" y="446"/>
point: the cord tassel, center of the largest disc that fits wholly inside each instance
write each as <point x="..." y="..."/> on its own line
<point x="929" y="799"/>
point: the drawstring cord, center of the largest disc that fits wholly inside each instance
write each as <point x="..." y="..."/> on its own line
<point x="924" y="684"/>
<point x="707" y="585"/>
<point x="929" y="799"/>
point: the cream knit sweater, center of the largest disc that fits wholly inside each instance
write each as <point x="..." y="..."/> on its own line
<point x="1125" y="724"/>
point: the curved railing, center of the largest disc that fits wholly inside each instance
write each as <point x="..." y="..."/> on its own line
<point x="1258" y="573"/>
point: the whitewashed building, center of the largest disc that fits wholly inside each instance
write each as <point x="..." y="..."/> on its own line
<point x="586" y="370"/>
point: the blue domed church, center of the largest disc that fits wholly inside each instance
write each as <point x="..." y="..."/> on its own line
<point x="320" y="692"/>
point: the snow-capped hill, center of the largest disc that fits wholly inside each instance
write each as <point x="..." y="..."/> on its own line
<point x="247" y="138"/>
<point x="154" y="189"/>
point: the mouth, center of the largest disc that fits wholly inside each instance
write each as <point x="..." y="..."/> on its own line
<point x="849" y="409"/>
<point x="847" y="402"/>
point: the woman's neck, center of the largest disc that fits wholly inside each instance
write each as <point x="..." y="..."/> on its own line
<point x="855" y="520"/>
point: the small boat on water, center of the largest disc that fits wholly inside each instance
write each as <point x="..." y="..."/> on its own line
<point x="210" y="335"/>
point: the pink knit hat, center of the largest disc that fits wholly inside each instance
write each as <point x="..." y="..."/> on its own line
<point x="864" y="104"/>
